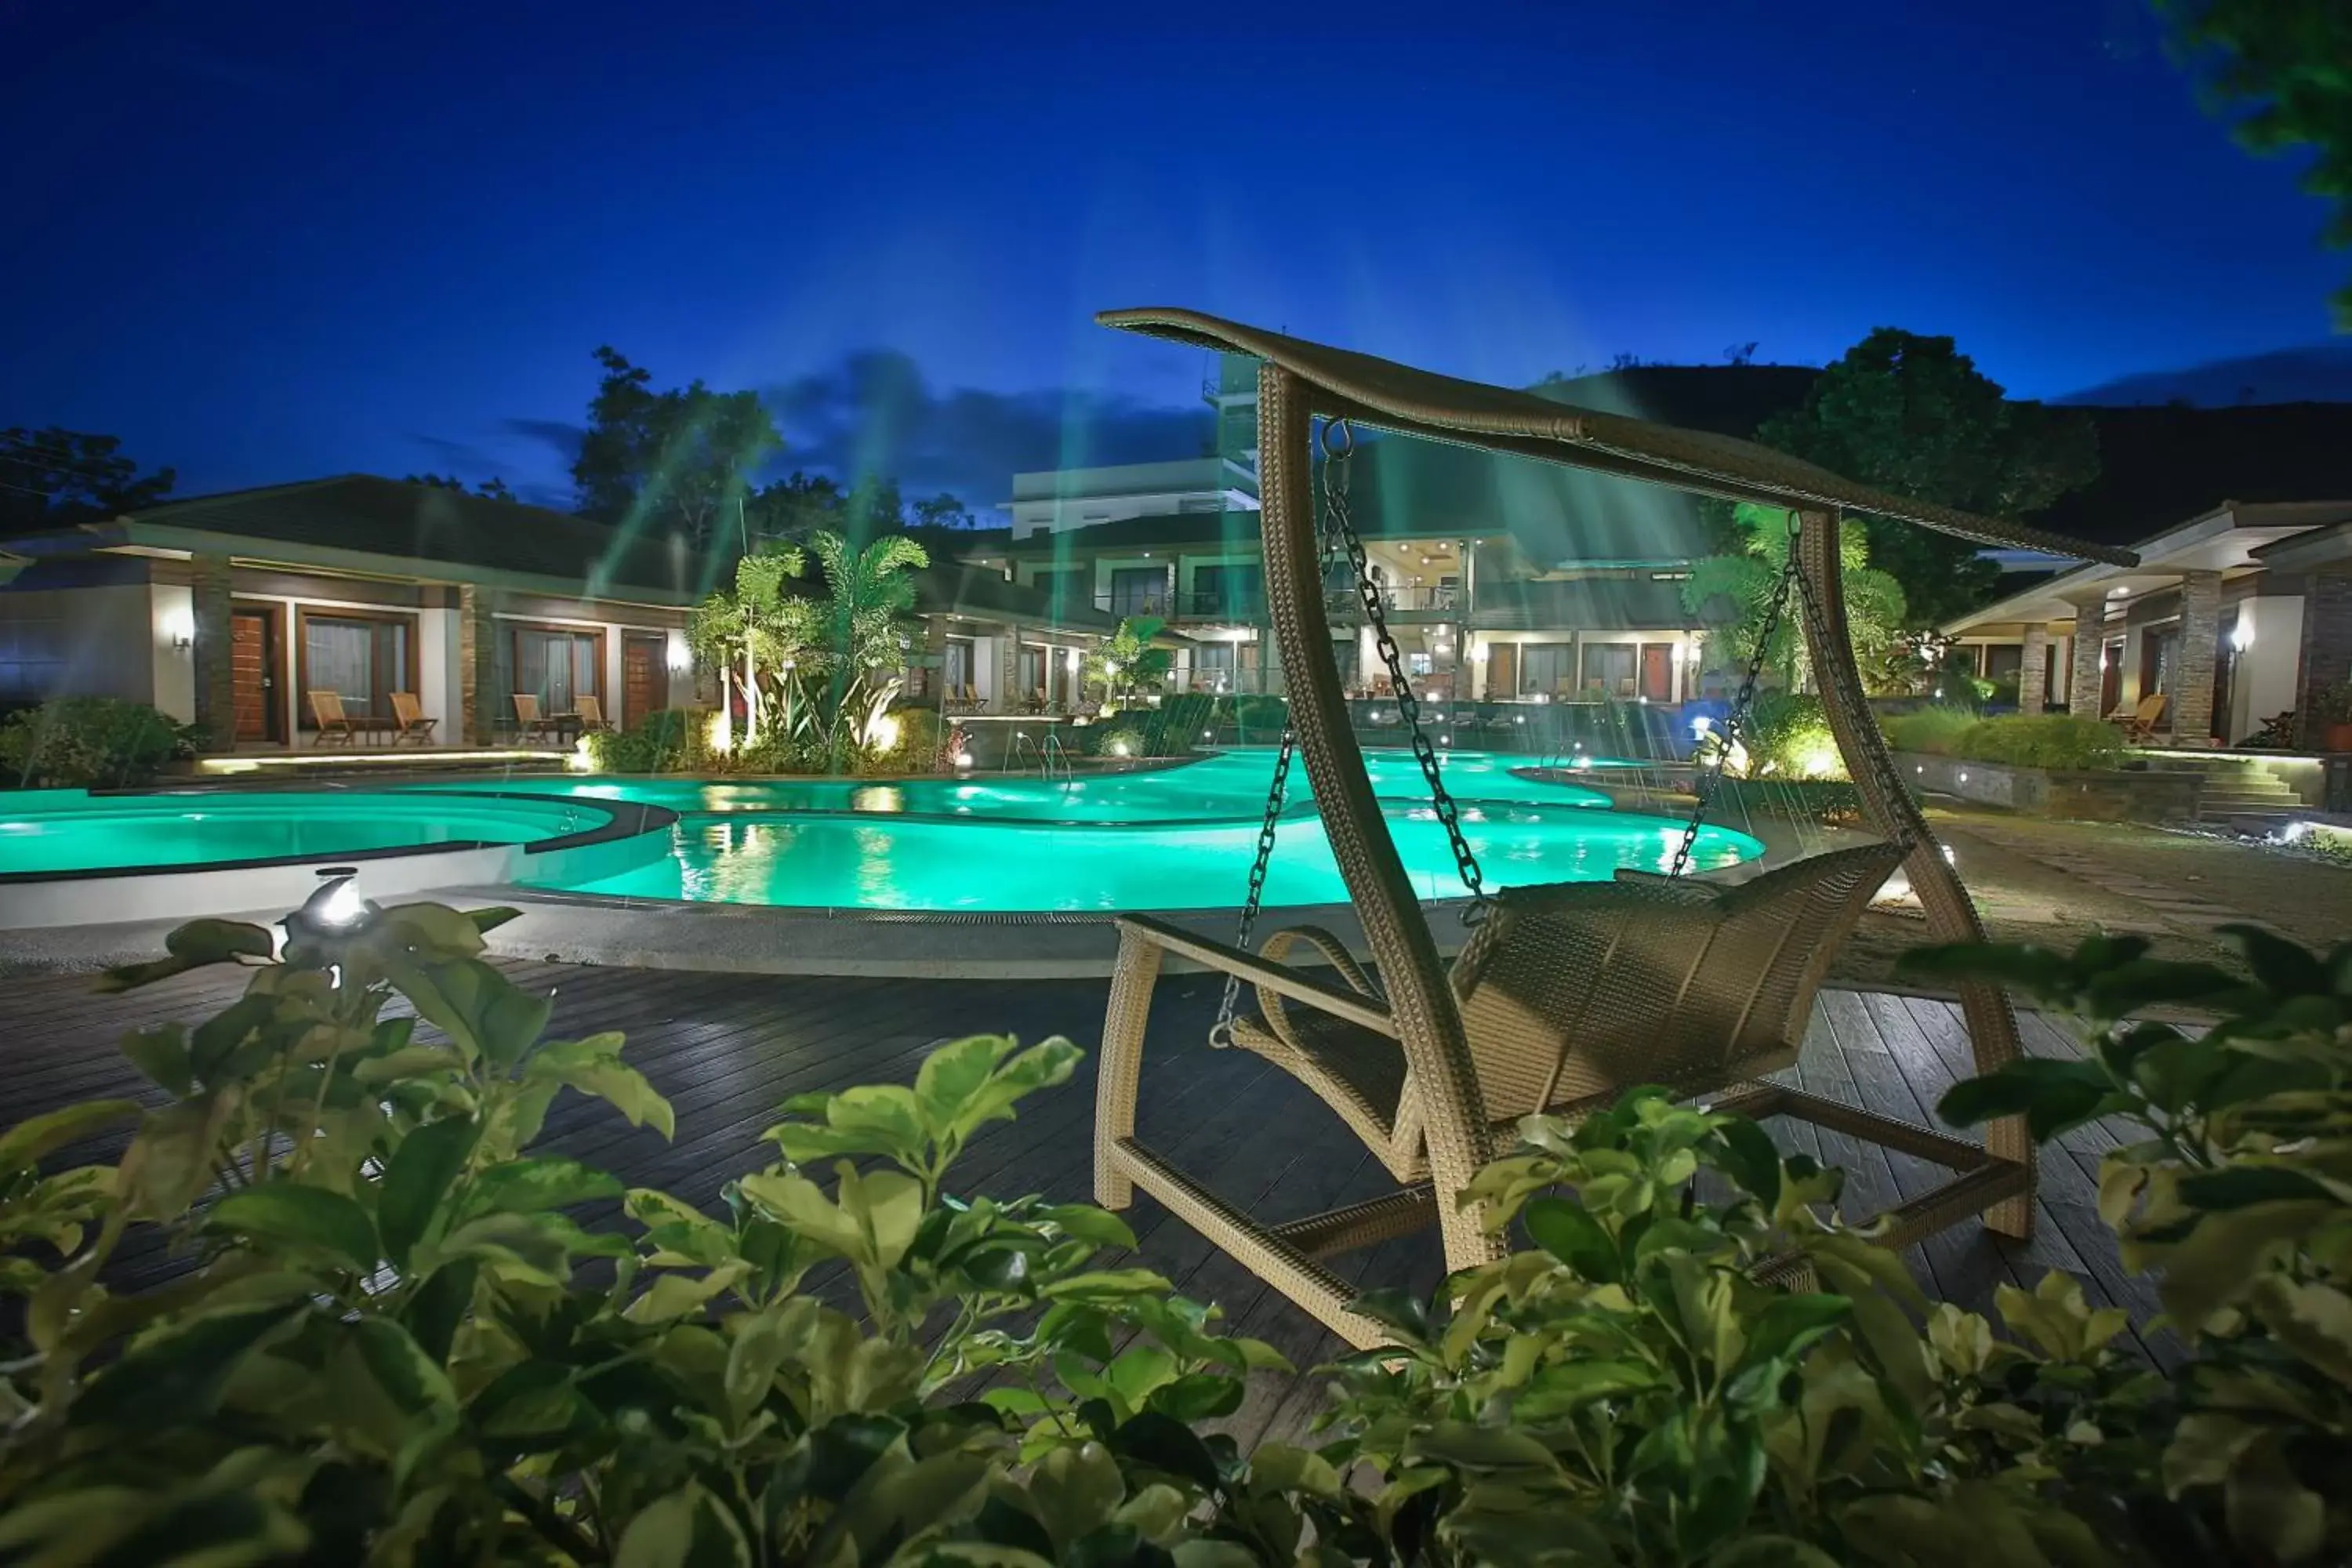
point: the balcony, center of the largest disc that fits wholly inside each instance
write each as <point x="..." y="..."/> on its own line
<point x="1414" y="599"/>
<point x="1239" y="608"/>
<point x="1133" y="602"/>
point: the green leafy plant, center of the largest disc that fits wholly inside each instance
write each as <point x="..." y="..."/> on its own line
<point x="1128" y="665"/>
<point x="1934" y="730"/>
<point x="1118" y="741"/>
<point x="668" y="741"/>
<point x="2234" y="1189"/>
<point x="1633" y="1389"/>
<point x="402" y="1335"/>
<point x="89" y="742"/>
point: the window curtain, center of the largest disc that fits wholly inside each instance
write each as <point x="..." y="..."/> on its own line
<point x="341" y="658"/>
<point x="1544" y="669"/>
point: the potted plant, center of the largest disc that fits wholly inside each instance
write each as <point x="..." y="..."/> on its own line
<point x="2332" y="716"/>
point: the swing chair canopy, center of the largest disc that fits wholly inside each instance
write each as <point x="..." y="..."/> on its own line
<point x="1381" y="392"/>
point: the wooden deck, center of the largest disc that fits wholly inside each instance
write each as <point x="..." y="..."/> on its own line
<point x="727" y="1049"/>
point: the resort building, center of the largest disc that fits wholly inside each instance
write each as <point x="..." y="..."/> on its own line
<point x="2233" y="618"/>
<point x="233" y="610"/>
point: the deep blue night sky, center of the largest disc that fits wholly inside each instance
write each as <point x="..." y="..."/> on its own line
<point x="269" y="242"/>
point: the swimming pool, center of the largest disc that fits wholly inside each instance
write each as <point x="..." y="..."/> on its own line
<point x="1171" y="839"/>
<point x="50" y="832"/>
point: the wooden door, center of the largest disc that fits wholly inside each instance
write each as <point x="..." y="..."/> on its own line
<point x="641" y="676"/>
<point x="1502" y="670"/>
<point x="252" y="668"/>
<point x="1657" y="672"/>
<point x="2111" y="681"/>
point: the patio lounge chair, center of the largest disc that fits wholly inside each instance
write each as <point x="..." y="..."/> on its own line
<point x="2139" y="725"/>
<point x="409" y="723"/>
<point x="334" y="724"/>
<point x="590" y="711"/>
<point x="531" y="724"/>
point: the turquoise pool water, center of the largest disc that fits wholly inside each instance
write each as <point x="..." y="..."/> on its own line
<point x="49" y="831"/>
<point x="1173" y="838"/>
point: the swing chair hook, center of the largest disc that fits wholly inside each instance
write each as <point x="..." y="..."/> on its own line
<point x="1337" y="437"/>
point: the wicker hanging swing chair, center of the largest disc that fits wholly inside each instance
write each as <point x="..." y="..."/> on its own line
<point x="1565" y="994"/>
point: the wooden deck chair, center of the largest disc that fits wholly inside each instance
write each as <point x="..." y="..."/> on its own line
<point x="2139" y="724"/>
<point x="334" y="724"/>
<point x="589" y="709"/>
<point x="531" y="724"/>
<point x="1564" y="994"/>
<point x="409" y="723"/>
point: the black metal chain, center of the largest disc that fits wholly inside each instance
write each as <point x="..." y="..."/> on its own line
<point x="1221" y="1033"/>
<point x="1343" y="524"/>
<point x="1743" y="703"/>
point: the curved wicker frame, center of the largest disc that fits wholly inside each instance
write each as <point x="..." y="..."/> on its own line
<point x="1448" y="1107"/>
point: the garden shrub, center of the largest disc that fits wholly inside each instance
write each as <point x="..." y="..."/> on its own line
<point x="1934" y="731"/>
<point x="916" y="750"/>
<point x="404" y="1336"/>
<point x="2044" y="741"/>
<point x="668" y="741"/>
<point x="1176" y="726"/>
<point x="1121" y="739"/>
<point x="1831" y="803"/>
<point x="1788" y="736"/>
<point x="89" y="742"/>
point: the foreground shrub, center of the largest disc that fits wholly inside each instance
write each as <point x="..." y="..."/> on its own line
<point x="403" y="1337"/>
<point x="1788" y="737"/>
<point x="89" y="742"/>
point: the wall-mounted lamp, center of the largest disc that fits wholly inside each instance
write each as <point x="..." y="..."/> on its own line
<point x="2242" y="635"/>
<point x="179" y="629"/>
<point x="678" y="654"/>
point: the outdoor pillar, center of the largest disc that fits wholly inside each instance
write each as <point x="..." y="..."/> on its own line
<point x="2190" y="711"/>
<point x="2034" y="675"/>
<point x="215" y="671"/>
<point x="478" y="696"/>
<point x="2082" y="678"/>
<point x="1009" y="695"/>
<point x="2327" y="653"/>
<point x="1889" y="808"/>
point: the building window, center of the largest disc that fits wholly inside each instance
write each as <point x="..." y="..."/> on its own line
<point x="1237" y="589"/>
<point x="1031" y="668"/>
<point x="1067" y="589"/>
<point x="1139" y="590"/>
<point x="1546" y="669"/>
<point x="1213" y="666"/>
<point x="1609" y="668"/>
<point x="559" y="666"/>
<point x="958" y="661"/>
<point x="362" y="658"/>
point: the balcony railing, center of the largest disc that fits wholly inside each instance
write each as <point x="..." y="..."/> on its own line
<point x="1221" y="605"/>
<point x="1419" y="597"/>
<point x="1155" y="603"/>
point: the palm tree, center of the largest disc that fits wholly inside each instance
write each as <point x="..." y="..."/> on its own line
<point x="868" y="595"/>
<point x="1875" y="607"/>
<point x="1127" y="663"/>
<point x="758" y="629"/>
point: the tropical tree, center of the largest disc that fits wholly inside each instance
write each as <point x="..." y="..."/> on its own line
<point x="50" y="477"/>
<point x="1912" y="415"/>
<point x="755" y="636"/>
<point x="1749" y="577"/>
<point x="2281" y="70"/>
<point x="1127" y="663"/>
<point x="864" y="613"/>
<point x="679" y="460"/>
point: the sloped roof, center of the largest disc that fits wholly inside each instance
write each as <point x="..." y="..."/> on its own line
<point x="953" y="588"/>
<point x="1393" y="396"/>
<point x="367" y="515"/>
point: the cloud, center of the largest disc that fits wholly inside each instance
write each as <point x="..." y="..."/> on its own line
<point x="874" y="411"/>
<point x="561" y="435"/>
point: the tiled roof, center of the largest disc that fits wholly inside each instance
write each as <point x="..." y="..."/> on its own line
<point x="437" y="528"/>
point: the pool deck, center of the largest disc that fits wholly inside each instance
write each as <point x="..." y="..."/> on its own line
<point x="728" y="1049"/>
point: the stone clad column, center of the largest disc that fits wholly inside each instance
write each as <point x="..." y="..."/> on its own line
<point x="479" y="702"/>
<point x="2083" y="673"/>
<point x="2327" y="652"/>
<point x="2034" y="675"/>
<point x="2189" y="714"/>
<point x="215" y="671"/>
